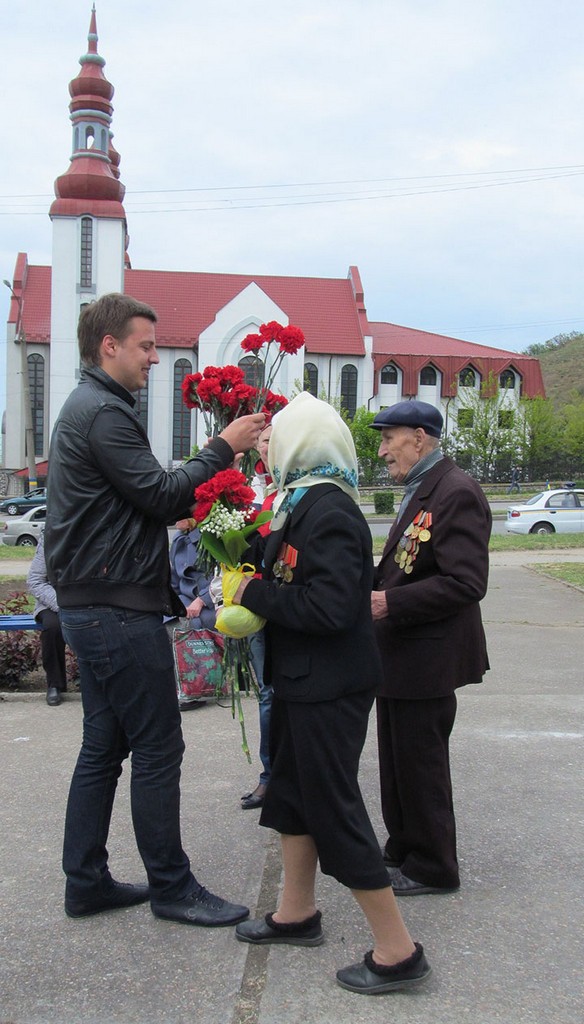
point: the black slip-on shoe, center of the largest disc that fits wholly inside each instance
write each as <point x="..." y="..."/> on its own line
<point x="203" y="908"/>
<point x="53" y="697"/>
<point x="266" y="930"/>
<point x="371" y="979"/>
<point x="404" y="886"/>
<point x="118" y="897"/>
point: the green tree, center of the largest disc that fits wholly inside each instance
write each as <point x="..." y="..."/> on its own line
<point x="573" y="436"/>
<point x="366" y="445"/>
<point x="541" y="444"/>
<point x="486" y="440"/>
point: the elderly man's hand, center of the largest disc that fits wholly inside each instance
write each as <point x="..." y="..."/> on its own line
<point x="378" y="604"/>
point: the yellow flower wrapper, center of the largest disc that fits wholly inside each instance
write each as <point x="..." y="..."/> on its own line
<point x="233" y="619"/>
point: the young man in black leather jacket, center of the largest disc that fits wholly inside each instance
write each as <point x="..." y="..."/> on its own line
<point x="106" y="543"/>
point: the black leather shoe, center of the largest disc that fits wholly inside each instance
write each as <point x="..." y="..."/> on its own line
<point x="266" y="930"/>
<point x="371" y="979"/>
<point x="53" y="697"/>
<point x="121" y="895"/>
<point x="190" y="703"/>
<point x="252" y="800"/>
<point x="404" y="886"/>
<point x="201" y="907"/>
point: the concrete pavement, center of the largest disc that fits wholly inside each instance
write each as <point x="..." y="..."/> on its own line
<point x="506" y="949"/>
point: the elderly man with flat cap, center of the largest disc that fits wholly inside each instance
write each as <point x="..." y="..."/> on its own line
<point x="428" y="585"/>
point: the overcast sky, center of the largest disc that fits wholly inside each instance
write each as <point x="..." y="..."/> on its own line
<point x="435" y="144"/>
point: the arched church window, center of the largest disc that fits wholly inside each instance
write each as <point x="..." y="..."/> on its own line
<point x="253" y="370"/>
<point x="507" y="379"/>
<point x="349" y="389"/>
<point x="388" y="374"/>
<point x="311" y="378"/>
<point x="181" y="416"/>
<point x="467" y="378"/>
<point x="36" y="383"/>
<point x="86" y="268"/>
<point x="89" y="137"/>
<point x="428" y="376"/>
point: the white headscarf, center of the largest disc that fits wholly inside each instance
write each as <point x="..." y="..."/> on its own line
<point x="310" y="444"/>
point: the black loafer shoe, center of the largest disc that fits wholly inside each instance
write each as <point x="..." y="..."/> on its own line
<point x="190" y="703"/>
<point x="250" y="801"/>
<point x="121" y="895"/>
<point x="266" y="930"/>
<point x="371" y="979"/>
<point x="404" y="886"/>
<point x="53" y="697"/>
<point x="203" y="908"/>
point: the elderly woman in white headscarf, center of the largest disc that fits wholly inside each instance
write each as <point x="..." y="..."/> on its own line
<point x="322" y="661"/>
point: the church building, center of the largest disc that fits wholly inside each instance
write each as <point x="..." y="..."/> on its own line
<point x="203" y="317"/>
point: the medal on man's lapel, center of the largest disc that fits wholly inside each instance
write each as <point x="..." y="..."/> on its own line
<point x="409" y="543"/>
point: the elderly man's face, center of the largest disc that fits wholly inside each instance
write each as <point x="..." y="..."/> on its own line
<point x="400" y="449"/>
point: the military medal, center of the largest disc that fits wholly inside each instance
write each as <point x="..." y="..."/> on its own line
<point x="408" y="546"/>
<point x="285" y="563"/>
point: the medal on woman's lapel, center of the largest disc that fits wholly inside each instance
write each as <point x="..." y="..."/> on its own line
<point x="285" y="563"/>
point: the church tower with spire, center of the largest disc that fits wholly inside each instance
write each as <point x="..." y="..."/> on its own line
<point x="89" y="221"/>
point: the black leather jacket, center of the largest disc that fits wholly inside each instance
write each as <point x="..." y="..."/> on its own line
<point x="109" y="501"/>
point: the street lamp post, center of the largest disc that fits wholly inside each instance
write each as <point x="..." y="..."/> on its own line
<point x="28" y="426"/>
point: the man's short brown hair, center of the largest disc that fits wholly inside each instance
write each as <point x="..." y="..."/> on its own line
<point x="110" y="314"/>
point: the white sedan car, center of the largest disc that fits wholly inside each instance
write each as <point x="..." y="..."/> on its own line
<point x="559" y="511"/>
<point x="24" y="531"/>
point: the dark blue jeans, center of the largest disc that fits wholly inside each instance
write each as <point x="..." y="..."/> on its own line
<point x="129" y="704"/>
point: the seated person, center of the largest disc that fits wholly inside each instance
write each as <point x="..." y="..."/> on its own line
<point x="46" y="611"/>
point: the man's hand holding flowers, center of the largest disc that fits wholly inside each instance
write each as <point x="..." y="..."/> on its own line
<point x="242" y="434"/>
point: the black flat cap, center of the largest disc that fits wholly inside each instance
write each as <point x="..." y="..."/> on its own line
<point x="410" y="414"/>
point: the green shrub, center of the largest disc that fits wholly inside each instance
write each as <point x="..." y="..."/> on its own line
<point x="383" y="502"/>
<point x="19" y="650"/>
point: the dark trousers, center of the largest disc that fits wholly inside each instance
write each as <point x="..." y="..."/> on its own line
<point x="53" y="649"/>
<point x="416" y="788"/>
<point x="129" y="704"/>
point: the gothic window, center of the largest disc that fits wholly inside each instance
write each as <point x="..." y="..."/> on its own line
<point x="388" y="374"/>
<point x="36" y="383"/>
<point x="311" y="378"/>
<point x="428" y="376"/>
<point x="86" y="269"/>
<point x="349" y="389"/>
<point x="253" y="370"/>
<point x="181" y="416"/>
<point x="467" y="378"/>
<point x="507" y="379"/>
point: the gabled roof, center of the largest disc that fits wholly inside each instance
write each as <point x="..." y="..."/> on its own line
<point x="411" y="350"/>
<point x="187" y="303"/>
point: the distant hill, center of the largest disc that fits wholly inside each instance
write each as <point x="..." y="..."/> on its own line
<point x="562" y="366"/>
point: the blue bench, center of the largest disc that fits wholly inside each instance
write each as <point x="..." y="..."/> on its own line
<point x="8" y="623"/>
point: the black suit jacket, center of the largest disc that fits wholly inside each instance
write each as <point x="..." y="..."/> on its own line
<point x="320" y="643"/>
<point x="432" y="640"/>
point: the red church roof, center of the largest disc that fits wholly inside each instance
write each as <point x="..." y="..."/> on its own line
<point x="187" y="303"/>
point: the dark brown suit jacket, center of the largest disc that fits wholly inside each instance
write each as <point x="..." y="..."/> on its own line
<point x="433" y="639"/>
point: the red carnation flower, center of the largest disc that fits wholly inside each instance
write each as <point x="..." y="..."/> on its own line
<point x="252" y="342"/>
<point x="291" y="339"/>
<point x="271" y="331"/>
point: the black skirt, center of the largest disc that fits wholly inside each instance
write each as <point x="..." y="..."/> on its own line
<point x="314" y="790"/>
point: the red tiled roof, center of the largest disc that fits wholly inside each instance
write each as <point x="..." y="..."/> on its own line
<point x="411" y="350"/>
<point x="187" y="303"/>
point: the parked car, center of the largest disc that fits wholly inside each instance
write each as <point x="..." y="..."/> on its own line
<point x="24" y="531"/>
<point x="16" y="506"/>
<point x="560" y="511"/>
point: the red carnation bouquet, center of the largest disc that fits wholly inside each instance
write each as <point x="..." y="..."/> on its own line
<point x="221" y="394"/>
<point x="226" y="518"/>
<point x="272" y="336"/>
